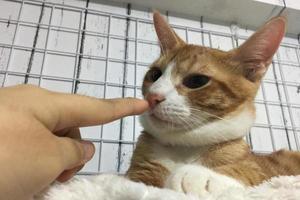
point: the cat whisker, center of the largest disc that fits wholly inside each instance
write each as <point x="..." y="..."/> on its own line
<point x="197" y="110"/>
<point x="186" y="125"/>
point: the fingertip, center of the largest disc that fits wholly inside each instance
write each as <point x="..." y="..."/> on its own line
<point x="143" y="104"/>
<point x="139" y="105"/>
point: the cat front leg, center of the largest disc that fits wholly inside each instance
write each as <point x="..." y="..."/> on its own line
<point x="198" y="180"/>
<point x="148" y="172"/>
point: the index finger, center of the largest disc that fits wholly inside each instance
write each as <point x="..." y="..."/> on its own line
<point x="77" y="111"/>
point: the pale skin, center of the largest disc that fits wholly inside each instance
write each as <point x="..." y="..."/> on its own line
<point x="40" y="139"/>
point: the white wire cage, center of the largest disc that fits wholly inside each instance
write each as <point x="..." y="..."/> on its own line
<point x="103" y="49"/>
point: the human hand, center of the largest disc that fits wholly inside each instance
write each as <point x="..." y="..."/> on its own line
<point x="40" y="138"/>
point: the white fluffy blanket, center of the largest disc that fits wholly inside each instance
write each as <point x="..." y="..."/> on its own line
<point x="113" y="187"/>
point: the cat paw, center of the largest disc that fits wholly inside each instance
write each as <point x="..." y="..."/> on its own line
<point x="200" y="181"/>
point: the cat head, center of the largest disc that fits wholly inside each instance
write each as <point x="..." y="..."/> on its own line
<point x="200" y="95"/>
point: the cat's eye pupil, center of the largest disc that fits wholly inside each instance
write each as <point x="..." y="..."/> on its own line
<point x="195" y="81"/>
<point x="154" y="74"/>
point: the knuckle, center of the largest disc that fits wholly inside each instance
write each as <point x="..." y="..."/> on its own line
<point x="130" y="105"/>
<point x="55" y="157"/>
<point x="72" y="148"/>
<point x="78" y="153"/>
<point x="28" y="87"/>
<point x="57" y="165"/>
<point x="35" y="89"/>
<point x="129" y="98"/>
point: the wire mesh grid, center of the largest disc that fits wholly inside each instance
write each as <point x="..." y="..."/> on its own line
<point x="103" y="49"/>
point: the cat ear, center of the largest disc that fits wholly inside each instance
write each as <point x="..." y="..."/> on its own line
<point x="256" y="53"/>
<point x="167" y="37"/>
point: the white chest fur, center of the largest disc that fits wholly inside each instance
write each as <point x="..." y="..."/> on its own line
<point x="186" y="172"/>
<point x="173" y="157"/>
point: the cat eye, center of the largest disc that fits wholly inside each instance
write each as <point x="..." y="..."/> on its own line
<point x="195" y="81"/>
<point x="153" y="74"/>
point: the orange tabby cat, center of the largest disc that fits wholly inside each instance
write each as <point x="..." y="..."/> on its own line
<point x="201" y="107"/>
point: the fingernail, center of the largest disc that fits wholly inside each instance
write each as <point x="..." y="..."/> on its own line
<point x="89" y="150"/>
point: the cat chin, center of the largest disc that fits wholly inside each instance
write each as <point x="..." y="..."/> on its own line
<point x="158" y="126"/>
<point x="236" y="126"/>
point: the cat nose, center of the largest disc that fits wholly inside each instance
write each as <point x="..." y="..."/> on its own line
<point x="154" y="99"/>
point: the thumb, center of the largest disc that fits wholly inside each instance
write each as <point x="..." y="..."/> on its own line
<point x="75" y="152"/>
